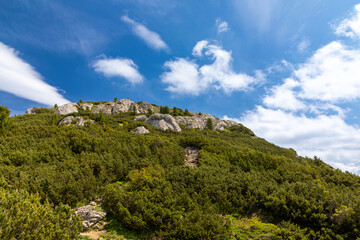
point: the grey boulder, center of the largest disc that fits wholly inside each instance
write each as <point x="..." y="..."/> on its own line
<point x="163" y="122"/>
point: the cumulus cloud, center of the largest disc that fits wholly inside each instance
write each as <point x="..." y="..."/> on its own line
<point x="152" y="39"/>
<point x="325" y="136"/>
<point x="20" y="78"/>
<point x="284" y="97"/>
<point x="186" y="77"/>
<point x="221" y="26"/>
<point x="350" y="27"/>
<point x="304" y="113"/>
<point x="331" y="74"/>
<point x="119" y="67"/>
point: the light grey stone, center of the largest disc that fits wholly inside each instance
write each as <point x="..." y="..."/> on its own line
<point x="89" y="216"/>
<point x="67" y="109"/>
<point x="31" y="111"/>
<point x="85" y="106"/>
<point x="77" y="121"/>
<point x="163" y="122"/>
<point x="141" y="130"/>
<point x="103" y="108"/>
<point x="140" y="118"/>
<point x="123" y="105"/>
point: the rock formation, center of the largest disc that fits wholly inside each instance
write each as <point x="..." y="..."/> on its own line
<point x="141" y="130"/>
<point x="31" y="110"/>
<point x="140" y="118"/>
<point x="77" y="121"/>
<point x="89" y="216"/>
<point x="163" y="122"/>
<point x="67" y="109"/>
<point x="199" y="121"/>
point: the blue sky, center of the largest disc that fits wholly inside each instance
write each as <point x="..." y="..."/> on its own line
<point x="289" y="70"/>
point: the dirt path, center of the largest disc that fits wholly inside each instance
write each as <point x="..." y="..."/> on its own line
<point x="94" y="234"/>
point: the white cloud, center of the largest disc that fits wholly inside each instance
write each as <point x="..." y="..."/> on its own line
<point x="152" y="39"/>
<point x="119" y="67"/>
<point x="350" y="27"/>
<point x="186" y="77"/>
<point x="284" y="97"/>
<point x="20" y="78"/>
<point x="331" y="74"/>
<point x="221" y="26"/>
<point x="183" y="77"/>
<point x="327" y="137"/>
<point x="301" y="113"/>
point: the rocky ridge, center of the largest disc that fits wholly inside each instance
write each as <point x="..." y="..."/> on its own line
<point x="157" y="120"/>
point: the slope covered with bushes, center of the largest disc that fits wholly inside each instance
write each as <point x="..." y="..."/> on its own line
<point x="243" y="188"/>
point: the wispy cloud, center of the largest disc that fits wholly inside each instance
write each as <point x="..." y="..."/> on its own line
<point x="20" y="78"/>
<point x="119" y="67"/>
<point x="186" y="77"/>
<point x="350" y="27"/>
<point x="221" y="26"/>
<point x="303" y="46"/>
<point x="152" y="39"/>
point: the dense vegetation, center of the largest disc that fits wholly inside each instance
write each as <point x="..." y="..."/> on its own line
<point x="244" y="187"/>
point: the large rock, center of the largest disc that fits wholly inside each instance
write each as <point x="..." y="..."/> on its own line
<point x="163" y="122"/>
<point x="86" y="106"/>
<point x="199" y="121"/>
<point x="123" y="105"/>
<point x="140" y="118"/>
<point x="104" y="108"/>
<point x="89" y="216"/>
<point x="67" y="109"/>
<point x="77" y="121"/>
<point x="144" y="107"/>
<point x="141" y="130"/>
<point x="31" y="110"/>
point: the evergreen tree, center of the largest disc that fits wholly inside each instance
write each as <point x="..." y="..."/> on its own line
<point x="166" y="110"/>
<point x="209" y="124"/>
<point x="4" y="117"/>
<point x="187" y="113"/>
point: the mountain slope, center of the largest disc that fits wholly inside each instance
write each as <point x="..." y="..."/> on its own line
<point x="242" y="188"/>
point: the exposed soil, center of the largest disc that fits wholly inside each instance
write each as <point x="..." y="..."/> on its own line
<point x="192" y="157"/>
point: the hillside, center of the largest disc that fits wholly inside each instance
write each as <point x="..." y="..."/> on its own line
<point x="235" y="186"/>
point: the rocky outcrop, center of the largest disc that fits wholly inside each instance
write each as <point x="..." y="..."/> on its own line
<point x="67" y="109"/>
<point x="141" y="130"/>
<point x="123" y="105"/>
<point x="31" y="110"/>
<point x="89" y="216"/>
<point x="144" y="107"/>
<point x="140" y="118"/>
<point x="163" y="122"/>
<point x="104" y="108"/>
<point x="199" y="121"/>
<point x="77" y="121"/>
<point x="86" y="106"/>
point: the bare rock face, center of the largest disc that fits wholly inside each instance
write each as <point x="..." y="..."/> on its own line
<point x="86" y="106"/>
<point x="77" y="121"/>
<point x="192" y="157"/>
<point x="144" y="107"/>
<point x="67" y="109"/>
<point x="31" y="111"/>
<point x="89" y="216"/>
<point x="141" y="130"/>
<point x="104" y="108"/>
<point x="123" y="105"/>
<point x="163" y="122"/>
<point x="199" y="121"/>
<point x="140" y="118"/>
